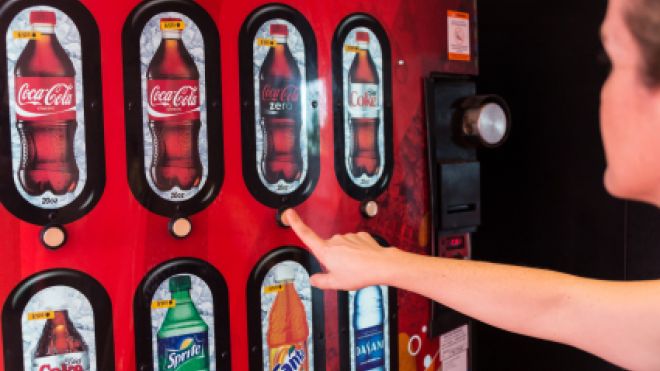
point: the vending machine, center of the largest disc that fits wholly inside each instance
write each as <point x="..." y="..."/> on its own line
<point x="148" y="149"/>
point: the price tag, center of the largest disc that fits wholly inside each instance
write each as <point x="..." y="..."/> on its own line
<point x="163" y="304"/>
<point x="266" y="42"/>
<point x="27" y="35"/>
<point x="273" y="289"/>
<point x="351" y="48"/>
<point x="38" y="316"/>
<point x="172" y="25"/>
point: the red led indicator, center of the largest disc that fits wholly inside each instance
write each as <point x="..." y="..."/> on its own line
<point x="456" y="241"/>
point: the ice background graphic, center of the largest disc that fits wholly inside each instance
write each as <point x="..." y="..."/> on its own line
<point x="297" y="47"/>
<point x="304" y="289"/>
<point x="375" y="50"/>
<point x="52" y="299"/>
<point x="193" y="40"/>
<point x="386" y="327"/>
<point x="202" y="298"/>
<point x="69" y="36"/>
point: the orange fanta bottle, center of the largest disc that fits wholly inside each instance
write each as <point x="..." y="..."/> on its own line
<point x="287" y="326"/>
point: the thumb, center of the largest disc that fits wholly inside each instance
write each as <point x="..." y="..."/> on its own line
<point x="323" y="281"/>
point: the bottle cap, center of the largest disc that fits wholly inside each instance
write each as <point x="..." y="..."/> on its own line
<point x="279" y="29"/>
<point x="362" y="37"/>
<point x="285" y="272"/>
<point x="180" y="283"/>
<point x="42" y="16"/>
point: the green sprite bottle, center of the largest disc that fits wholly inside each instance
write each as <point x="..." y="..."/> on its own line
<point x="183" y="338"/>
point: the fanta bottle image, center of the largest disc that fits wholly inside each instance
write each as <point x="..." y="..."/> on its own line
<point x="288" y="331"/>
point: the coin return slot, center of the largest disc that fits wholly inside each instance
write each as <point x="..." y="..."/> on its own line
<point x="457" y="209"/>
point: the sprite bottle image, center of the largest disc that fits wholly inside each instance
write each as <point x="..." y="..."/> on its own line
<point x="183" y="338"/>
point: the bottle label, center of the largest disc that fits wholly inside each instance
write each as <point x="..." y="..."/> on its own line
<point x="363" y="100"/>
<point x="288" y="358"/>
<point x="281" y="98"/>
<point x="62" y="362"/>
<point x="369" y="348"/>
<point x="173" y="99"/>
<point x="184" y="352"/>
<point x="45" y="98"/>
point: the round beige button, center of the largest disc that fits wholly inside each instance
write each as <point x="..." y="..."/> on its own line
<point x="53" y="237"/>
<point x="369" y="209"/>
<point x="180" y="227"/>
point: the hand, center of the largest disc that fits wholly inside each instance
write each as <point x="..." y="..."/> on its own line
<point x="351" y="261"/>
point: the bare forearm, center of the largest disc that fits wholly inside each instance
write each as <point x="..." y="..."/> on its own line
<point x="518" y="299"/>
<point x="614" y="320"/>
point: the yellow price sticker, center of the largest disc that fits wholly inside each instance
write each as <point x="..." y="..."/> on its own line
<point x="273" y="289"/>
<point x="163" y="304"/>
<point x="351" y="48"/>
<point x="29" y="35"/>
<point x="266" y="42"/>
<point x="38" y="316"/>
<point x="172" y="25"/>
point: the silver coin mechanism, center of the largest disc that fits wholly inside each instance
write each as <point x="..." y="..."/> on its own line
<point x="369" y="209"/>
<point x="180" y="227"/>
<point x="487" y="119"/>
<point x="53" y="236"/>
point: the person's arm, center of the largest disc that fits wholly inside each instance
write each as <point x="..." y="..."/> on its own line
<point x="618" y="321"/>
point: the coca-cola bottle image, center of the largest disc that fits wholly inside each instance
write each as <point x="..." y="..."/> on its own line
<point x="46" y="111"/>
<point x="281" y="119"/>
<point x="174" y="113"/>
<point x="364" y="111"/>
<point x="60" y="347"/>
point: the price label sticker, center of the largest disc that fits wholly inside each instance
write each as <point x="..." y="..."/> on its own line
<point x="163" y="304"/>
<point x="266" y="42"/>
<point x="273" y="289"/>
<point x="351" y="48"/>
<point x="172" y="25"/>
<point x="39" y="316"/>
<point x="27" y="35"/>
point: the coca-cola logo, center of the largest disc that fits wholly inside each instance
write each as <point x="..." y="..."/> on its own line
<point x="184" y="96"/>
<point x="364" y="99"/>
<point x="63" y="367"/>
<point x="289" y="93"/>
<point x="59" y="94"/>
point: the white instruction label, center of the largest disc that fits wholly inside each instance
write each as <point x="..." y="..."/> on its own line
<point x="458" y="36"/>
<point x="453" y="349"/>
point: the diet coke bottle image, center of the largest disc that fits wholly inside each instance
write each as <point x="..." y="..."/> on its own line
<point x="364" y="111"/>
<point x="60" y="347"/>
<point x="45" y="104"/>
<point x="281" y="111"/>
<point x="173" y="100"/>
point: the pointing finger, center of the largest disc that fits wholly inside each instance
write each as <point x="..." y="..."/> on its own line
<point x="305" y="233"/>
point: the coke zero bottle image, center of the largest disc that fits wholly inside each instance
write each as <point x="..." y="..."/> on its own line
<point x="281" y="111"/>
<point x="45" y="97"/>
<point x="174" y="112"/>
<point x="60" y="347"/>
<point x="364" y="112"/>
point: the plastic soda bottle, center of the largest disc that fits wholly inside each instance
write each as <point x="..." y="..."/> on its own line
<point x="288" y="331"/>
<point x="183" y="338"/>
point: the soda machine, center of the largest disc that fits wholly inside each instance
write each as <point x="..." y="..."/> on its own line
<point x="148" y="148"/>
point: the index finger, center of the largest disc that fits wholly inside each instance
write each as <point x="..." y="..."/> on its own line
<point x="304" y="232"/>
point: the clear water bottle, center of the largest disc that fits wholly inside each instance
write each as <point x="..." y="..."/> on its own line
<point x="369" y="329"/>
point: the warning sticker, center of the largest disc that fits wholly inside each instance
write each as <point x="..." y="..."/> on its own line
<point x="454" y="349"/>
<point x="458" y="36"/>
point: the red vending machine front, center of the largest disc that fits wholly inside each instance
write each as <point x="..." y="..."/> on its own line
<point x="147" y="149"/>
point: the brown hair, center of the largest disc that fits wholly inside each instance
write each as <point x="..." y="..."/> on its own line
<point x="643" y="20"/>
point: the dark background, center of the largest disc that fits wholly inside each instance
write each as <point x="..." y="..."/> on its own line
<point x="544" y="204"/>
